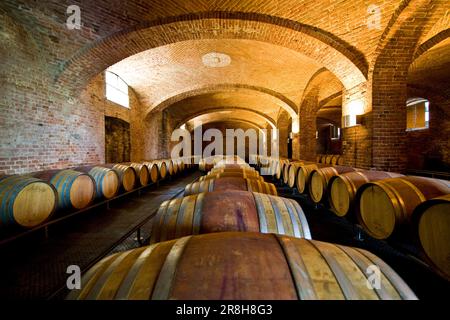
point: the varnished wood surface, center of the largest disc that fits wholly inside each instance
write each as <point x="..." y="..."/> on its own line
<point x="127" y="176"/>
<point x="229" y="211"/>
<point x="431" y="221"/>
<point x="343" y="188"/>
<point x="25" y="201"/>
<point x="241" y="266"/>
<point x="75" y="189"/>
<point x="304" y="174"/>
<point x="318" y="183"/>
<point x="387" y="205"/>
<point x="230" y="183"/>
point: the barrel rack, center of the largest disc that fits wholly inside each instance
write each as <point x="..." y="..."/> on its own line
<point x="45" y="226"/>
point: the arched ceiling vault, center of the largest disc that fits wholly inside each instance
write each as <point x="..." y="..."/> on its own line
<point x="225" y="112"/>
<point x="250" y="104"/>
<point x="321" y="46"/>
<point x="236" y="123"/>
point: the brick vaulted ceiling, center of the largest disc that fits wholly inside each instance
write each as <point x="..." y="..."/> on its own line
<point x="275" y="47"/>
<point x="256" y="74"/>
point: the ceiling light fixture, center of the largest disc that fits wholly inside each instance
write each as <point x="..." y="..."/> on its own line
<point x="216" y="60"/>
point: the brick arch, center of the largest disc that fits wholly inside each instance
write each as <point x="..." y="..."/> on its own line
<point x="440" y="26"/>
<point x="322" y="87"/>
<point x="165" y="102"/>
<point x="248" y="122"/>
<point x="431" y="42"/>
<point x="389" y="83"/>
<point x="269" y="120"/>
<point x="338" y="56"/>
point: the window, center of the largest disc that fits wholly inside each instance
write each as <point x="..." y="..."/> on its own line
<point x="417" y="114"/>
<point x="116" y="89"/>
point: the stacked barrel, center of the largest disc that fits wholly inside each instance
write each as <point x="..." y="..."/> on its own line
<point x="386" y="205"/>
<point x="223" y="240"/>
<point x="30" y="200"/>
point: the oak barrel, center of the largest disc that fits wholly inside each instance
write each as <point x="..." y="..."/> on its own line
<point x="169" y="166"/>
<point x="386" y="206"/>
<point x="142" y="172"/>
<point x="160" y="165"/>
<point x="343" y="188"/>
<point x="127" y="176"/>
<point x="229" y="211"/>
<point x="25" y="201"/>
<point x="230" y="183"/>
<point x="153" y="171"/>
<point x="75" y="189"/>
<point x="232" y="174"/>
<point x="304" y="175"/>
<point x="335" y="159"/>
<point x="107" y="182"/>
<point x="431" y="221"/>
<point x="292" y="172"/>
<point x="328" y="158"/>
<point x="241" y="266"/>
<point x="318" y="183"/>
<point x="280" y="167"/>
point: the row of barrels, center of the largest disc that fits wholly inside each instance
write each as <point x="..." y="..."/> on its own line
<point x="206" y="164"/>
<point x="335" y="159"/>
<point x="233" y="244"/>
<point x="387" y="205"/>
<point x="29" y="200"/>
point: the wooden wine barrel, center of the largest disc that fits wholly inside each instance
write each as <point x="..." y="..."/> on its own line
<point x="431" y="221"/>
<point x="328" y="158"/>
<point x="343" y="188"/>
<point x="285" y="175"/>
<point x="127" y="176"/>
<point x="162" y="168"/>
<point x="169" y="166"/>
<point x="318" y="157"/>
<point x="318" y="184"/>
<point x="241" y="266"/>
<point x="107" y="182"/>
<point x="232" y="169"/>
<point x="293" y="172"/>
<point x="386" y="206"/>
<point x="181" y="165"/>
<point x="231" y="174"/>
<point x="248" y="172"/>
<point x="323" y="159"/>
<point x="153" y="171"/>
<point x="230" y="183"/>
<point x="335" y="159"/>
<point x="304" y="175"/>
<point x="205" y="165"/>
<point x="222" y="211"/>
<point x="75" y="189"/>
<point x="280" y="168"/>
<point x="235" y="166"/>
<point x="25" y="201"/>
<point x="142" y="172"/>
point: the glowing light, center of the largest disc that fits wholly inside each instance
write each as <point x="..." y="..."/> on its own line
<point x="355" y="107"/>
<point x="295" y="125"/>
